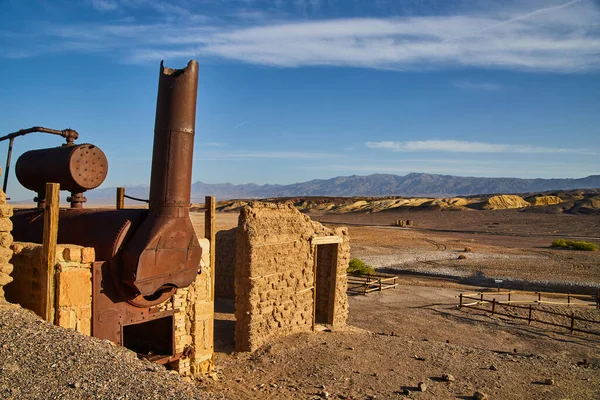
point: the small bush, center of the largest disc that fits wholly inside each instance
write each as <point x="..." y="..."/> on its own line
<point x="574" y="244"/>
<point x="358" y="267"/>
<point x="560" y="243"/>
<point x="585" y="246"/>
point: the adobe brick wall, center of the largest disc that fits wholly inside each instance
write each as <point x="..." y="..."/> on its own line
<point x="274" y="274"/>
<point x="194" y="320"/>
<point x="72" y="279"/>
<point x="6" y="240"/>
<point x="225" y="264"/>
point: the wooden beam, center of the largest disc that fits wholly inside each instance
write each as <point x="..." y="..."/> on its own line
<point x="333" y="284"/>
<point x="120" y="198"/>
<point x="210" y="232"/>
<point x="326" y="240"/>
<point x="49" y="250"/>
<point x="314" y="316"/>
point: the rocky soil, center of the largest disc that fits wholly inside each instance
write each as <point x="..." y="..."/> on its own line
<point x="41" y="361"/>
<point x="399" y="338"/>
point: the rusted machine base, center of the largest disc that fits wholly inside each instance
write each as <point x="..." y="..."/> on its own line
<point x="122" y="323"/>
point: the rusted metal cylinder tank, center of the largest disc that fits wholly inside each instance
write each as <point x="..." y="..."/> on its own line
<point x="76" y="168"/>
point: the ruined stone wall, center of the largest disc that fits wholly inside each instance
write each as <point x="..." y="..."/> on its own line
<point x="6" y="239"/>
<point x="194" y="320"/>
<point x="72" y="281"/>
<point x="275" y="261"/>
<point x="225" y="264"/>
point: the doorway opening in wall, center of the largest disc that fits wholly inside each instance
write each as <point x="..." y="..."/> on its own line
<point x="325" y="282"/>
<point x="151" y="339"/>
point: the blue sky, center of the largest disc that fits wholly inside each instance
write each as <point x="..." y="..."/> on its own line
<point x="301" y="89"/>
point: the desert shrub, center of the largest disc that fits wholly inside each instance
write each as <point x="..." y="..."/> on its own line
<point x="560" y="243"/>
<point x="585" y="246"/>
<point x="574" y="244"/>
<point x="356" y="266"/>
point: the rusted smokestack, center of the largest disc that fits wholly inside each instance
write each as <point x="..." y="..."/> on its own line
<point x="173" y="153"/>
<point x="164" y="252"/>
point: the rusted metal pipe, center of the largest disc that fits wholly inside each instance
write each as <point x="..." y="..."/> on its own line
<point x="173" y="152"/>
<point x="165" y="253"/>
<point x="69" y="134"/>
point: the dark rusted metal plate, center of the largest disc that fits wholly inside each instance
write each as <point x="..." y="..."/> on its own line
<point x="104" y="230"/>
<point x="110" y="312"/>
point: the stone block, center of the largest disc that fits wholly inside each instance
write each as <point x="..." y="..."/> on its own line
<point x="66" y="318"/>
<point x="203" y="309"/>
<point x="72" y="254"/>
<point x="6" y="268"/>
<point x="6" y="239"/>
<point x="88" y="255"/>
<point x="5" y="254"/>
<point x="84" y="326"/>
<point x="5" y="279"/>
<point x="74" y="287"/>
<point x="6" y="211"/>
<point x="84" y="313"/>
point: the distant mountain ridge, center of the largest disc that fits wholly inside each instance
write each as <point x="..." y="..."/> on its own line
<point x="411" y="185"/>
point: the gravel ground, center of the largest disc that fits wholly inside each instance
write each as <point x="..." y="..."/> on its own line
<point x="41" y="361"/>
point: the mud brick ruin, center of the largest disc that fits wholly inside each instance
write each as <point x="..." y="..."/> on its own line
<point x="288" y="276"/>
<point x="141" y="277"/>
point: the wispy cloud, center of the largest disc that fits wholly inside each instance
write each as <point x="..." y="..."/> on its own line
<point x="240" y="124"/>
<point x="489" y="86"/>
<point x="458" y="146"/>
<point x="562" y="37"/>
<point x="213" y="144"/>
<point x="104" y="5"/>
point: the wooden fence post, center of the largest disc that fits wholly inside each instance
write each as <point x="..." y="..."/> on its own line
<point x="530" y="312"/>
<point x="210" y="231"/>
<point x="569" y="299"/>
<point x="120" y="198"/>
<point x="539" y="297"/>
<point x="493" y="305"/>
<point x="509" y="297"/>
<point x="460" y="301"/>
<point x="49" y="250"/>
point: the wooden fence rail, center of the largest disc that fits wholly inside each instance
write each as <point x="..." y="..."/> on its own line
<point x="371" y="283"/>
<point x="480" y="301"/>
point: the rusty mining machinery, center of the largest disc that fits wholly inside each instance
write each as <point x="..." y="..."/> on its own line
<point x="142" y="255"/>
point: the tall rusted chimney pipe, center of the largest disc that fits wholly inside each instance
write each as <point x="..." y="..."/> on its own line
<point x="173" y="152"/>
<point x="164" y="252"/>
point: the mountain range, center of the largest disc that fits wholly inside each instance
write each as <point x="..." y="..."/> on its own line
<point x="411" y="185"/>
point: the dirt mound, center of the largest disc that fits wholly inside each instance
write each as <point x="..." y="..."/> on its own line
<point x="544" y="200"/>
<point x="587" y="206"/>
<point x="504" y="202"/>
<point x="42" y="361"/>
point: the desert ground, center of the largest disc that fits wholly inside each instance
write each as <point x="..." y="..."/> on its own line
<point x="415" y="333"/>
<point x="407" y="342"/>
